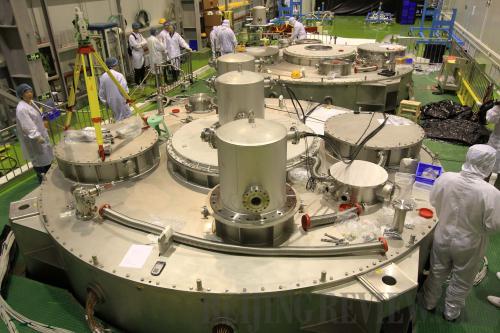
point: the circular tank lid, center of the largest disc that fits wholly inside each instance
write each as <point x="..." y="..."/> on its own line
<point x="359" y="174"/>
<point x="123" y="148"/>
<point x="235" y="58"/>
<point x="320" y="51"/>
<point x="242" y="132"/>
<point x="187" y="148"/>
<point x="308" y="41"/>
<point x="239" y="78"/>
<point x="381" y="47"/>
<point x="262" y="51"/>
<point x="352" y="128"/>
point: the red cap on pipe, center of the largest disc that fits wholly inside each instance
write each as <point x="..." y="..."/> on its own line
<point x="102" y="208"/>
<point x="306" y="222"/>
<point x="426" y="213"/>
<point x="384" y="242"/>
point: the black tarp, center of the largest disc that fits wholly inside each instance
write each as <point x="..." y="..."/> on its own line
<point x="360" y="7"/>
<point x="450" y="121"/>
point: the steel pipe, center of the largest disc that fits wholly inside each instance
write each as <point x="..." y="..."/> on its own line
<point x="379" y="246"/>
<point x="309" y="222"/>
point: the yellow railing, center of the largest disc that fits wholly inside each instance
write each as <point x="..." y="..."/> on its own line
<point x="234" y="5"/>
<point x="466" y="94"/>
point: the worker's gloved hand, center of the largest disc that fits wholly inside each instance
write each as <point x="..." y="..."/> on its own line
<point x="40" y="140"/>
<point x="189" y="49"/>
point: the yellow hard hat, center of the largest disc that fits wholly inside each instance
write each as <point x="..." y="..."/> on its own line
<point x="162" y="20"/>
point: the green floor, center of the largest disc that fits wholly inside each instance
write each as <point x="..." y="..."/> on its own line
<point x="58" y="307"/>
<point x="355" y="27"/>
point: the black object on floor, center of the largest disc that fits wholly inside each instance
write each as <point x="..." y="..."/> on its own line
<point x="450" y="121"/>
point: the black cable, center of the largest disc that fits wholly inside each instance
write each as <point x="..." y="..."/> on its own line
<point x="294" y="99"/>
<point x="280" y="110"/>
<point x="312" y="110"/>
<point x="358" y="149"/>
<point x="330" y="145"/>
<point x="366" y="129"/>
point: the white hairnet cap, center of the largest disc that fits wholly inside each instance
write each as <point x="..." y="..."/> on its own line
<point x="291" y="20"/>
<point x="480" y="160"/>
<point x="225" y="23"/>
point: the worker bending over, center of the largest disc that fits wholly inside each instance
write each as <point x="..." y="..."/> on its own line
<point x="493" y="116"/>
<point x="226" y="38"/>
<point x="299" y="32"/>
<point x="138" y="45"/>
<point x="173" y="44"/>
<point x="109" y="93"/>
<point x="156" y="50"/>
<point x="468" y="209"/>
<point x="32" y="133"/>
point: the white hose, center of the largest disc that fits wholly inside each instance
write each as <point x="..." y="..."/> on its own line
<point x="10" y="315"/>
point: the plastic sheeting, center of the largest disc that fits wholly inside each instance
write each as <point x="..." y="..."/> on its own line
<point x="450" y="121"/>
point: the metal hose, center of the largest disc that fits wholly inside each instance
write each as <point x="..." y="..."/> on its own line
<point x="290" y="251"/>
<point x="315" y="169"/>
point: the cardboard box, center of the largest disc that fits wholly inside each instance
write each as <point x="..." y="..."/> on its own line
<point x="209" y="4"/>
<point x="212" y="20"/>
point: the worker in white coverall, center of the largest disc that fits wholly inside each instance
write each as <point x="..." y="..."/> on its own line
<point x="109" y="93"/>
<point x="299" y="32"/>
<point x="156" y="50"/>
<point x="226" y="38"/>
<point x="162" y="37"/>
<point x="468" y="209"/>
<point x="493" y="116"/>
<point x="32" y="133"/>
<point x="174" y="42"/>
<point x="214" y="43"/>
<point x="138" y="44"/>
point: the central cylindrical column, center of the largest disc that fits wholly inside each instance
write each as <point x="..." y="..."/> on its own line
<point x="235" y="61"/>
<point x="259" y="15"/>
<point x="252" y="165"/>
<point x="238" y="93"/>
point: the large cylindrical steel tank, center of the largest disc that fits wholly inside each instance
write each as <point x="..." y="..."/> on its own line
<point x="239" y="92"/>
<point x="381" y="54"/>
<point x="399" y="137"/>
<point x="252" y="165"/>
<point x="313" y="54"/>
<point x="259" y="15"/>
<point x="235" y="61"/>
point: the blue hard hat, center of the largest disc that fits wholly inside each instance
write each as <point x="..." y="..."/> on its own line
<point x="111" y="62"/>
<point x="153" y="31"/>
<point x="22" y="88"/>
<point x="136" y="25"/>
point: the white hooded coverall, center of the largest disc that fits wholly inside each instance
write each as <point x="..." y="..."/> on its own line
<point x="493" y="116"/>
<point x="468" y="209"/>
<point x="109" y="94"/>
<point x="299" y="32"/>
<point x="29" y="124"/>
<point x="136" y="42"/>
<point x="214" y="43"/>
<point x="156" y="50"/>
<point x="226" y="40"/>
<point x="162" y="37"/>
<point x="173" y="47"/>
